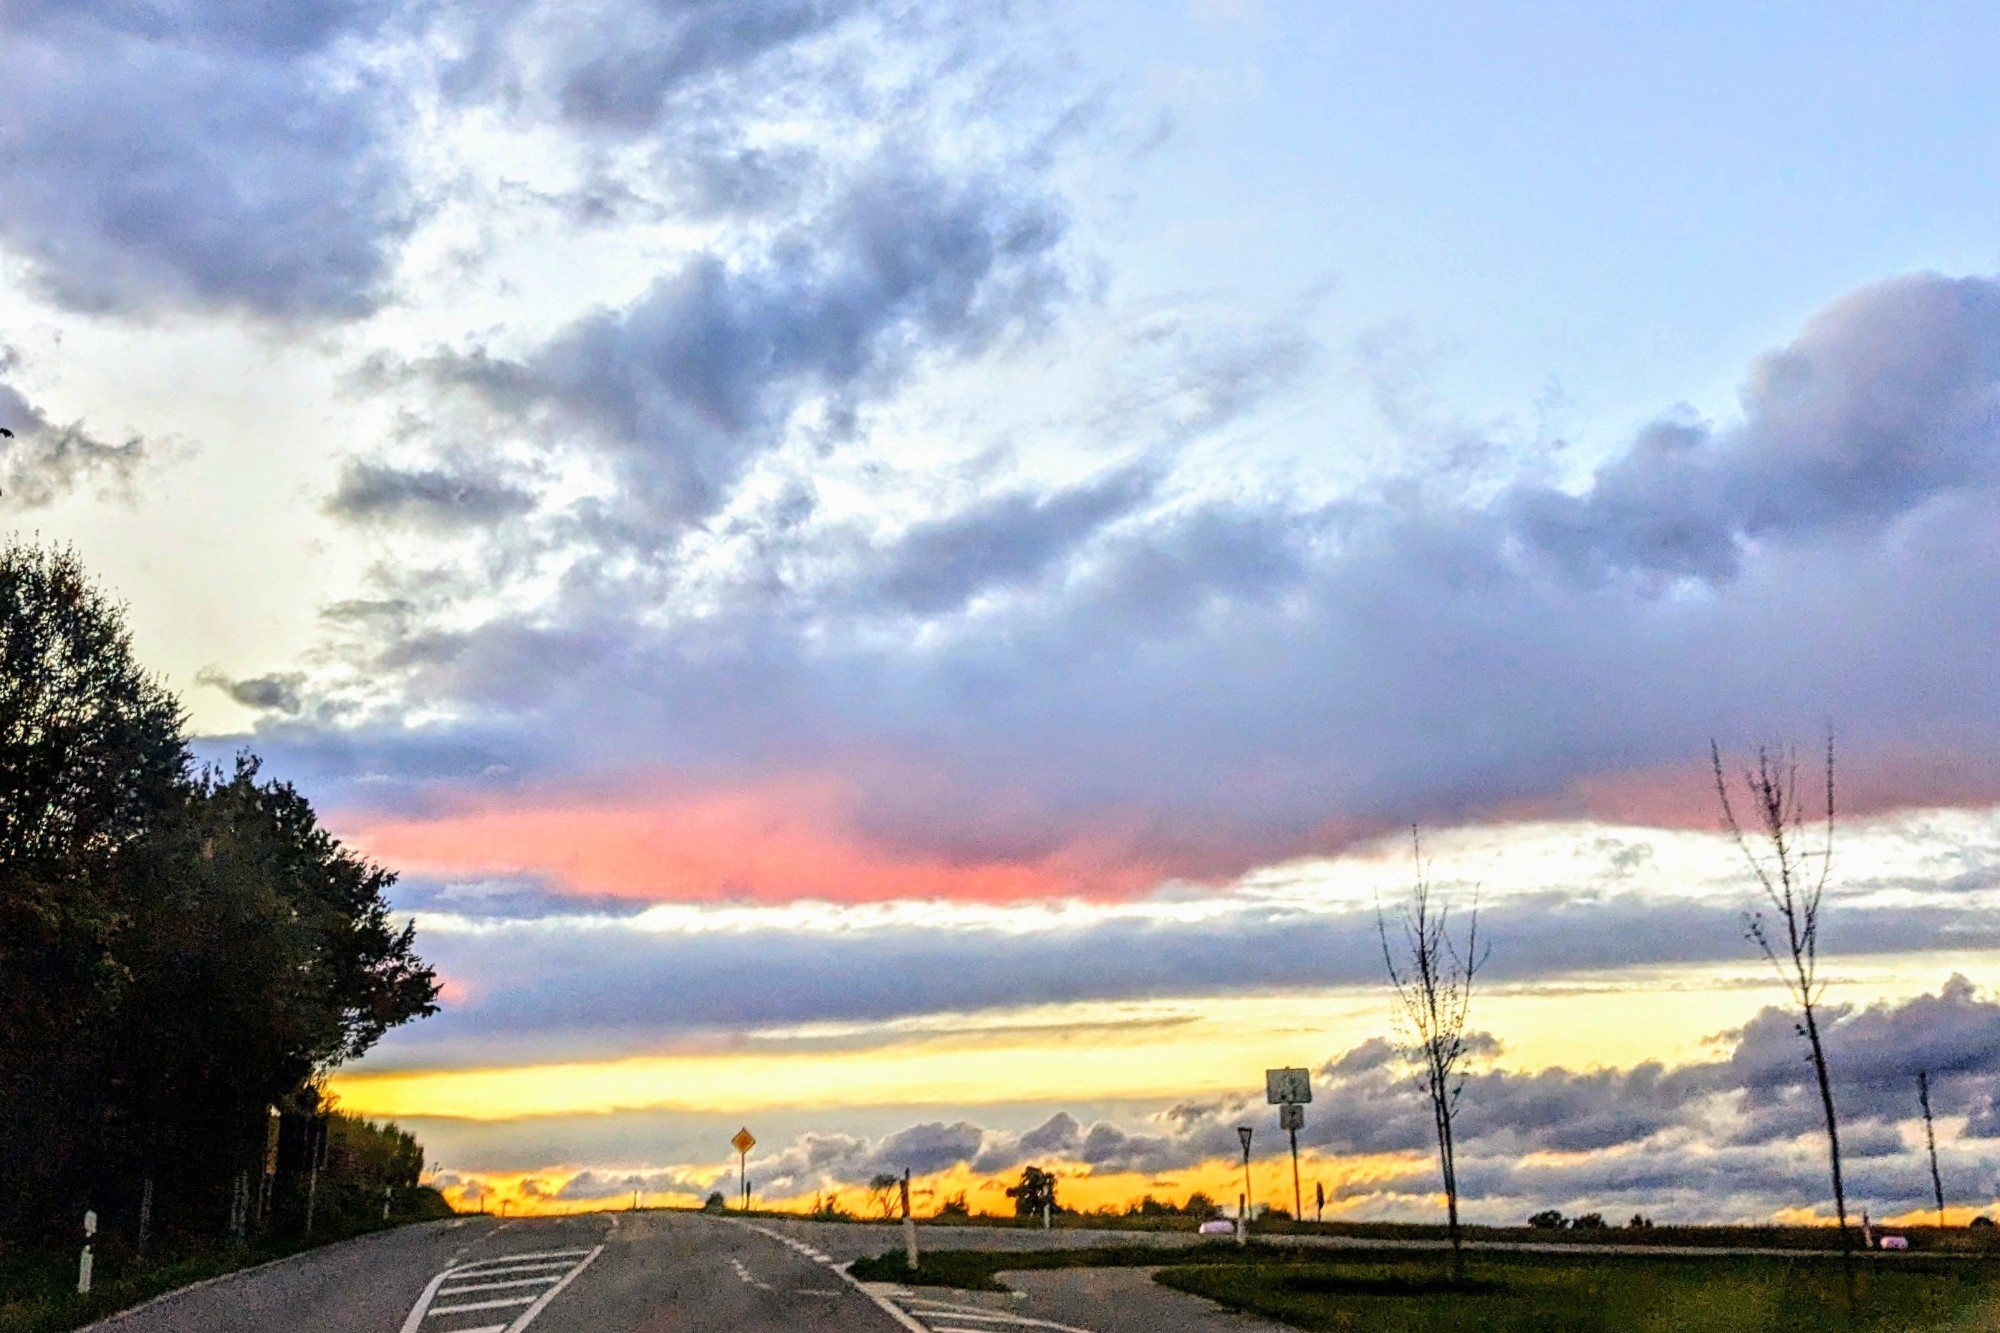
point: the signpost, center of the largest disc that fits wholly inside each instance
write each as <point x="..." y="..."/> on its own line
<point x="743" y="1143"/>
<point x="1244" y="1132"/>
<point x="83" y="1263"/>
<point x="1289" y="1090"/>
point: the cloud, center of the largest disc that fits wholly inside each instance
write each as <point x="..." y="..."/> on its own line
<point x="1650" y="1138"/>
<point x="1227" y="680"/>
<point x="43" y="461"/>
<point x="1888" y="399"/>
<point x="267" y="177"/>
<point x="277" y="693"/>
<point x="427" y="498"/>
<point x="679" y="390"/>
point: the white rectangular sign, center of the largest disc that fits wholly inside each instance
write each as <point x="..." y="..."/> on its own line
<point x="1287" y="1086"/>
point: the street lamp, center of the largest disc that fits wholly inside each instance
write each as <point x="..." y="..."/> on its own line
<point x="1243" y="1222"/>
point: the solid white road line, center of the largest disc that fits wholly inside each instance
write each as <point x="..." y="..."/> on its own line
<point x="532" y="1254"/>
<point x="495" y="1286"/>
<point x="498" y="1303"/>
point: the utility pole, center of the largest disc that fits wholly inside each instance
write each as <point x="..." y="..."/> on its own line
<point x="1244" y="1132"/>
<point x="1930" y="1139"/>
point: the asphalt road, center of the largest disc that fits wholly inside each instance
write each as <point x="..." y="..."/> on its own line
<point x="650" y="1272"/>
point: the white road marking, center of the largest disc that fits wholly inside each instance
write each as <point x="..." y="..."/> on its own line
<point x="886" y="1305"/>
<point x="976" y="1315"/>
<point x="574" y="1261"/>
<point x="495" y="1286"/>
<point x="497" y="1303"/>
<point x="744" y="1273"/>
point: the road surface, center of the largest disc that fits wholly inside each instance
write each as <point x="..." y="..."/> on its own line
<point x="652" y="1272"/>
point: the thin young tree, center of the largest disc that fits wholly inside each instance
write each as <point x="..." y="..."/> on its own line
<point x="1930" y="1139"/>
<point x="1792" y="866"/>
<point x="1432" y="974"/>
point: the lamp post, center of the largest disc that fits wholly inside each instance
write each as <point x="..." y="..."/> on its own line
<point x="1244" y="1132"/>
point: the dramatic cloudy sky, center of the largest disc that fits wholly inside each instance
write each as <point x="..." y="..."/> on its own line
<point x="898" y="573"/>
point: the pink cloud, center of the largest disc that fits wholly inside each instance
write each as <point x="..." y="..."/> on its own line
<point x="772" y="840"/>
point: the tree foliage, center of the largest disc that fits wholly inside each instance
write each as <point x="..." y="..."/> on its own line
<point x="180" y="948"/>
<point x="1036" y="1191"/>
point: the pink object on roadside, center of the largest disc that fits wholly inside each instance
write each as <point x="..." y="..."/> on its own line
<point x="1895" y="1242"/>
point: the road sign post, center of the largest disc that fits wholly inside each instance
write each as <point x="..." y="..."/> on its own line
<point x="743" y="1143"/>
<point x="1289" y="1090"/>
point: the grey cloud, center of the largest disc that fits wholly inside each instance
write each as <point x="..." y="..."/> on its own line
<point x="622" y="66"/>
<point x="705" y="370"/>
<point x="433" y="498"/>
<point x="278" y="692"/>
<point x="607" y="985"/>
<point x="1000" y="542"/>
<point x="43" y="461"/>
<point x="1888" y="399"/>
<point x="266" y="177"/>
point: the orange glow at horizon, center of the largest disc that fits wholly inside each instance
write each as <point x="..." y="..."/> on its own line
<point x="1080" y="1188"/>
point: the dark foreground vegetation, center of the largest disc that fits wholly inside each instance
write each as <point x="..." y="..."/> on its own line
<point x="38" y="1287"/>
<point x="1402" y="1292"/>
<point x="184" y="955"/>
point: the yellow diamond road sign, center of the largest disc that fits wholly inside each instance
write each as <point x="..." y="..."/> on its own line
<point x="744" y="1141"/>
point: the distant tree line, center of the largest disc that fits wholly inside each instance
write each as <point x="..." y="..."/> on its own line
<point x="182" y="948"/>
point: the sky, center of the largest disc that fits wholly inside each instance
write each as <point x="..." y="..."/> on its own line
<point x="899" y="574"/>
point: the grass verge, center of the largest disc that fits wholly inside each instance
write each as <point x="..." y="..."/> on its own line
<point x="1598" y="1294"/>
<point x="38" y="1289"/>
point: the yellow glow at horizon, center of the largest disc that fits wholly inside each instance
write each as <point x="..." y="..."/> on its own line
<point x="1163" y="1050"/>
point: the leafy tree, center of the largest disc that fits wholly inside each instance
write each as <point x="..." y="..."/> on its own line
<point x="179" y="951"/>
<point x="1547" y="1220"/>
<point x="1036" y="1191"/>
<point x="90" y="752"/>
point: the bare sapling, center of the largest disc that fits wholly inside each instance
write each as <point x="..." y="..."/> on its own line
<point x="1432" y="974"/>
<point x="1792" y="865"/>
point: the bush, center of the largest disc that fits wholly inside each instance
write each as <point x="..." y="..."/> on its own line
<point x="715" y="1203"/>
<point x="1982" y="1222"/>
<point x="1588" y="1222"/>
<point x="1547" y="1220"/>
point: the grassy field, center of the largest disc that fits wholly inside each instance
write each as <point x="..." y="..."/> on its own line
<point x="1395" y="1292"/>
<point x="1560" y="1294"/>
<point x="38" y="1289"/>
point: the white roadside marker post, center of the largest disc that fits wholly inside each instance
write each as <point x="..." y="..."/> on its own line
<point x="83" y="1263"/>
<point x="909" y="1224"/>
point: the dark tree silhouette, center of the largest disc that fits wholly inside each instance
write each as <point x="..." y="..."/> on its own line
<point x="1036" y="1191"/>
